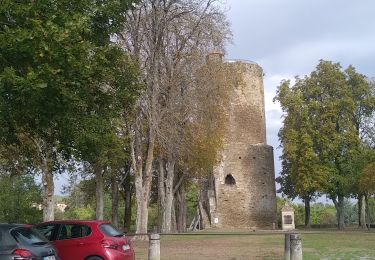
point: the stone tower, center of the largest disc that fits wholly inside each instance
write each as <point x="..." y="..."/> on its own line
<point x="242" y="193"/>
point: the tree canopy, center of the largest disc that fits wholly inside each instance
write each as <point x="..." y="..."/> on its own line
<point x="321" y="138"/>
<point x="62" y="77"/>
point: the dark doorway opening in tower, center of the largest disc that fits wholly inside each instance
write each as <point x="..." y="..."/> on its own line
<point x="229" y="180"/>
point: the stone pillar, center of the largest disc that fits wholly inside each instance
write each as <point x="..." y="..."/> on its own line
<point x="287" y="247"/>
<point x="295" y="247"/>
<point x="287" y="217"/>
<point x="154" y="247"/>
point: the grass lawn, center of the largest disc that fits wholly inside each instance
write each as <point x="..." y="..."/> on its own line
<point x="322" y="245"/>
<point x="339" y="245"/>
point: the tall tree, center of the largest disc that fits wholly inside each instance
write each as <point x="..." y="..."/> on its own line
<point x="169" y="39"/>
<point x="56" y="63"/>
<point x="302" y="174"/>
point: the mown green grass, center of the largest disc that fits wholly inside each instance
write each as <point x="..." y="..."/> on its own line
<point x="339" y="245"/>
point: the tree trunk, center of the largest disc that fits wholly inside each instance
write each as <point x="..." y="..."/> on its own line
<point x="161" y="196"/>
<point x="128" y="203"/>
<point x="48" y="190"/>
<point x="173" y="217"/>
<point x="169" y="196"/>
<point x="143" y="182"/>
<point x="115" y="201"/>
<point x="339" y="205"/>
<point x="363" y="211"/>
<point x="143" y="222"/>
<point x="181" y="210"/>
<point x="360" y="210"/>
<point x="307" y="213"/>
<point x="138" y="196"/>
<point x="367" y="212"/>
<point x="99" y="212"/>
<point x="46" y="152"/>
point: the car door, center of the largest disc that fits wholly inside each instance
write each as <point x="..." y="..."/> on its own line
<point x="70" y="242"/>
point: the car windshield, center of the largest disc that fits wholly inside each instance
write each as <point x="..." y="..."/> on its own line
<point x="110" y="230"/>
<point x="28" y="236"/>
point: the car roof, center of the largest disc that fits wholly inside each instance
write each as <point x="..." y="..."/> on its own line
<point x="6" y="226"/>
<point x="92" y="222"/>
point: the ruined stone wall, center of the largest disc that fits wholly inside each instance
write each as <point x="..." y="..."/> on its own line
<point x="244" y="189"/>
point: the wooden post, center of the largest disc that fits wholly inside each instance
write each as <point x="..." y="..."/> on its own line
<point x="295" y="247"/>
<point x="154" y="247"/>
<point x="287" y="247"/>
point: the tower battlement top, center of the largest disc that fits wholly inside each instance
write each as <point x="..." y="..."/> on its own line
<point x="242" y="61"/>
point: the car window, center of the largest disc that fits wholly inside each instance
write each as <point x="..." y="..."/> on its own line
<point x="28" y="236"/>
<point x="110" y="230"/>
<point x="7" y="242"/>
<point x="49" y="231"/>
<point x="70" y="231"/>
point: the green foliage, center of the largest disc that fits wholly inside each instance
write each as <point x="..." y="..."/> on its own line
<point x="371" y="210"/>
<point x="323" y="117"/>
<point x="367" y="179"/>
<point x="62" y="80"/>
<point x="17" y="197"/>
<point x="87" y="213"/>
<point x="321" y="214"/>
<point x="191" y="201"/>
<point x="302" y="174"/>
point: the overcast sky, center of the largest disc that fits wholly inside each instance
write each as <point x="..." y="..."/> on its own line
<point x="289" y="37"/>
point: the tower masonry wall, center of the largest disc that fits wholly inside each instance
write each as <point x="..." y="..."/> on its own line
<point x="244" y="178"/>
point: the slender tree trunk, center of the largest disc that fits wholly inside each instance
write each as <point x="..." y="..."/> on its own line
<point x="143" y="227"/>
<point x="161" y="196"/>
<point x="367" y="211"/>
<point x="363" y="211"/>
<point x="169" y="196"/>
<point x="128" y="203"/>
<point x="115" y="201"/>
<point x="339" y="205"/>
<point x="307" y="213"/>
<point x="48" y="191"/>
<point x="143" y="184"/>
<point x="137" y="165"/>
<point x="173" y="217"/>
<point x="99" y="212"/>
<point x="181" y="210"/>
<point x="360" y="210"/>
<point x="46" y="152"/>
<point x="138" y="196"/>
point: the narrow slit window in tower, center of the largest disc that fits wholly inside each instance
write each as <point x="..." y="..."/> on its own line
<point x="229" y="180"/>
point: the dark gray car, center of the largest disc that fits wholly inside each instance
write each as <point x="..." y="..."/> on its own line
<point x="22" y="242"/>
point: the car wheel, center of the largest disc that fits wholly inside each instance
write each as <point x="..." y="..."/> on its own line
<point x="94" y="258"/>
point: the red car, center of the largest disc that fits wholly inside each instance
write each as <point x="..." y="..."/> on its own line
<point x="87" y="240"/>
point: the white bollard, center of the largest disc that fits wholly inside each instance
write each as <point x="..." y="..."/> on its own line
<point x="295" y="247"/>
<point x="154" y="247"/>
<point x="287" y="247"/>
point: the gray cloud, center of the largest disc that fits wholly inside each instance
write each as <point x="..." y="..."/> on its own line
<point x="289" y="37"/>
